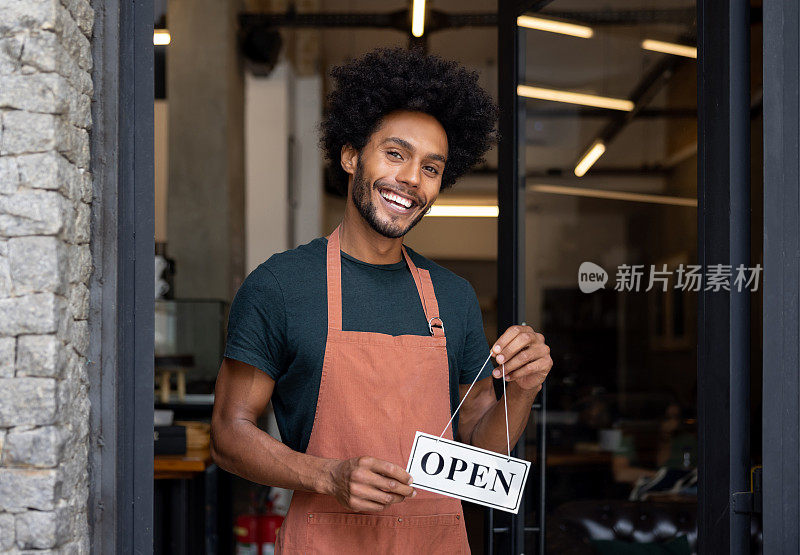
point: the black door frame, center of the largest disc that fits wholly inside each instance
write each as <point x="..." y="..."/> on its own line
<point x="122" y="295"/>
<point x="511" y="529"/>
<point x="781" y="335"/>
<point x="723" y="236"/>
<point x="122" y="248"/>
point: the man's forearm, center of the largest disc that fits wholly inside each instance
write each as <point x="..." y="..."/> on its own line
<point x="490" y="431"/>
<point x="242" y="448"/>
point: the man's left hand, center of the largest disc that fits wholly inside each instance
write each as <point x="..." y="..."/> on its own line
<point x="526" y="357"/>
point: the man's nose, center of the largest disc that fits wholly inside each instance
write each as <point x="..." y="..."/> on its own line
<point x="409" y="175"/>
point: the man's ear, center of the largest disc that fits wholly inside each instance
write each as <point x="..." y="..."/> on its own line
<point x="349" y="159"/>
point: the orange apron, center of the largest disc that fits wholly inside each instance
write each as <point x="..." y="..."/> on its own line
<point x="376" y="391"/>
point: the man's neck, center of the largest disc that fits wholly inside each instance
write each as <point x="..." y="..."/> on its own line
<point x="360" y="241"/>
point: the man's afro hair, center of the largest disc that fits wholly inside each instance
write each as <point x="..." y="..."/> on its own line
<point x="388" y="79"/>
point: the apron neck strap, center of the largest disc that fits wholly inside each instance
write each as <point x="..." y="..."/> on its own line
<point x="422" y="279"/>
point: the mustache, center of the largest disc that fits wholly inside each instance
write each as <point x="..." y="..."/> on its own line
<point x="410" y="194"/>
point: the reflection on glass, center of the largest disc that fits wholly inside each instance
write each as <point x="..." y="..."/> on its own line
<point x="617" y="189"/>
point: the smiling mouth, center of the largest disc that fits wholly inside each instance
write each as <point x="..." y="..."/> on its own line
<point x="397" y="201"/>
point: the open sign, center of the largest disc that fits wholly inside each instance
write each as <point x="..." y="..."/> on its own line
<point x="466" y="472"/>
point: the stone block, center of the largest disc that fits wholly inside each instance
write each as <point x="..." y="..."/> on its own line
<point x="22" y="488"/>
<point x="64" y="327"/>
<point x="9" y="175"/>
<point x="87" y="193"/>
<point x="38" y="264"/>
<point x="28" y="14"/>
<point x="36" y="313"/>
<point x="40" y="447"/>
<point x="40" y="170"/>
<point x="28" y="132"/>
<point x="83" y="231"/>
<point x="10" y="52"/>
<point x="27" y="402"/>
<point x="6" y="285"/>
<point x="40" y="356"/>
<point x="80" y="336"/>
<point x="6" y="531"/>
<point x="75" y="473"/>
<point x="79" y="110"/>
<point x="31" y="212"/>
<point x="79" y="301"/>
<point x="82" y="13"/>
<point x="80" y="264"/>
<point x="47" y="93"/>
<point x="73" y="143"/>
<point x="7" y="356"/>
<point x="41" y="529"/>
<point x="44" y="52"/>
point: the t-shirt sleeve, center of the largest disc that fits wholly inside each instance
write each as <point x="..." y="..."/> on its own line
<point x="476" y="349"/>
<point x="257" y="324"/>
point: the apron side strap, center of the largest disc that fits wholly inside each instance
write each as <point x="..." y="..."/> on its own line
<point x="430" y="303"/>
<point x="334" y="281"/>
<point x="422" y="279"/>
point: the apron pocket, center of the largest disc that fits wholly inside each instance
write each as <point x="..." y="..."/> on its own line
<point x="334" y="533"/>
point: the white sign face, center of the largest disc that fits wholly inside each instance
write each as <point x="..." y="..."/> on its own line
<point x="466" y="472"/>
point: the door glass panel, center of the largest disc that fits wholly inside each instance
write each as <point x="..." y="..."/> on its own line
<point x="610" y="162"/>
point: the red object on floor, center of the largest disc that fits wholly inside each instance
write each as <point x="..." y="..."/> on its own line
<point x="268" y="525"/>
<point x="246" y="534"/>
<point x="255" y="534"/>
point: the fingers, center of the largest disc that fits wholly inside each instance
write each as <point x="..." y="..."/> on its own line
<point x="506" y="338"/>
<point x="369" y="493"/>
<point x="364" y="506"/>
<point x="539" y="367"/>
<point x="385" y="476"/>
<point x="518" y="346"/>
<point x="391" y="471"/>
<point x="373" y="484"/>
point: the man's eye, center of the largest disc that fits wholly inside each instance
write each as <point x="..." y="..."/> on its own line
<point x="393" y="153"/>
<point x="431" y="169"/>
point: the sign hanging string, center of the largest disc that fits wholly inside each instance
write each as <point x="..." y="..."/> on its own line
<point x="505" y="402"/>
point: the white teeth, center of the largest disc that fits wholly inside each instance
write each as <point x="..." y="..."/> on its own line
<point x="396" y="198"/>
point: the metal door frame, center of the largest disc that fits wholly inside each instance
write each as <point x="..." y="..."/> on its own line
<point x="723" y="237"/>
<point x="511" y="248"/>
<point x="121" y="290"/>
<point x="781" y="335"/>
<point x="723" y="234"/>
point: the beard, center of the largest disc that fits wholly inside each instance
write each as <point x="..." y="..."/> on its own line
<point x="362" y="198"/>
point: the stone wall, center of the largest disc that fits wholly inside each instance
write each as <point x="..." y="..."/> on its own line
<point x="45" y="264"/>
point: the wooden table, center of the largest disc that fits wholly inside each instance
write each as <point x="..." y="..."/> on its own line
<point x="172" y="467"/>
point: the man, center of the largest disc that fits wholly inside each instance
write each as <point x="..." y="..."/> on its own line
<point x="360" y="342"/>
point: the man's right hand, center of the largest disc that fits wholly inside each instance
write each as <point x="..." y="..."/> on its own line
<point x="367" y="484"/>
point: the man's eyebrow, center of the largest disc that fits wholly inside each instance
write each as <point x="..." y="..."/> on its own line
<point x="408" y="146"/>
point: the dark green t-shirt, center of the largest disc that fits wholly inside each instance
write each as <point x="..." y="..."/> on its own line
<point x="279" y="317"/>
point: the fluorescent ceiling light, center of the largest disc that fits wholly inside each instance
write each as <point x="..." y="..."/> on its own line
<point x="418" y="18"/>
<point x="614" y="195"/>
<point x="554" y="26"/>
<point x="670" y="48"/>
<point x="595" y="152"/>
<point x="160" y="37"/>
<point x="464" y="210"/>
<point x="575" y="98"/>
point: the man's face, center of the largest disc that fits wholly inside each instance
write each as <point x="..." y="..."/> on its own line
<point x="398" y="173"/>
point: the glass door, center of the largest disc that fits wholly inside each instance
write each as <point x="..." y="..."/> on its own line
<point x="599" y="251"/>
